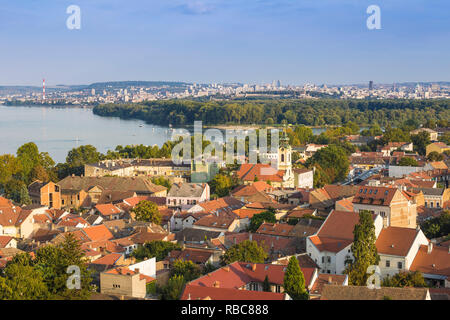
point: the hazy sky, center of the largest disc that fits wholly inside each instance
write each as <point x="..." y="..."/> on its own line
<point x="250" y="41"/>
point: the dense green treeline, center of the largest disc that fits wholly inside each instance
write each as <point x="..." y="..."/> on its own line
<point x="304" y="111"/>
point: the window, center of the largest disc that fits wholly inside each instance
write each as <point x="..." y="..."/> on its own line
<point x="278" y="289"/>
<point x="399" y="265"/>
<point x="329" y="259"/>
<point x="426" y="204"/>
<point x="431" y="204"/>
<point x="323" y="259"/>
<point x="388" y="263"/>
<point x="116" y="285"/>
<point x="383" y="214"/>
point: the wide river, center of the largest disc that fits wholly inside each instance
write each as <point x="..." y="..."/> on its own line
<point x="58" y="130"/>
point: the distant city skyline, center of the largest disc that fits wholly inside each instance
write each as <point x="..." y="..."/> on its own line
<point x="218" y="41"/>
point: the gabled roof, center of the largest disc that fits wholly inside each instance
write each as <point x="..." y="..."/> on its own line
<point x="239" y="274"/>
<point x="336" y="232"/>
<point x="4" y="240"/>
<point x="396" y="241"/>
<point x="140" y="185"/>
<point x="128" y="272"/>
<point x="333" y="292"/>
<point x="192" y="292"/>
<point x="196" y="255"/>
<point x="109" y="259"/>
<point x="435" y="262"/>
<point x="379" y="196"/>
<point x="191" y="190"/>
<point x="264" y="172"/>
<point x="276" y="229"/>
<point x="248" y="190"/>
<point x="107" y="209"/>
<point x="225" y="203"/>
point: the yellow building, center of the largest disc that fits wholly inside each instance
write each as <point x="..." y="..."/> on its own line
<point x="439" y="147"/>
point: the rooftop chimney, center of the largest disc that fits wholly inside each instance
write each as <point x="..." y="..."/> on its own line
<point x="430" y="247"/>
<point x="254" y="267"/>
<point x="330" y="280"/>
<point x="216" y="284"/>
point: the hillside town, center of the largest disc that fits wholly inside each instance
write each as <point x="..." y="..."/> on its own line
<point x="148" y="228"/>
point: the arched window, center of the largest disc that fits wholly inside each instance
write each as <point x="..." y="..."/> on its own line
<point x="282" y="157"/>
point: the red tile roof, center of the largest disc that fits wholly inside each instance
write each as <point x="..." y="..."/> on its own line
<point x="107" y="209"/>
<point x="128" y="272"/>
<point x="192" y="292"/>
<point x="264" y="172"/>
<point x="109" y="259"/>
<point x="4" y="240"/>
<point x="380" y="196"/>
<point x="435" y="262"/>
<point x="395" y="241"/>
<point x="276" y="229"/>
<point x="239" y="274"/>
<point x="336" y="232"/>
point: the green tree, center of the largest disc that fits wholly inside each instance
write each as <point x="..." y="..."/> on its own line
<point x="259" y="218"/>
<point x="173" y="289"/>
<point x="29" y="157"/>
<point x="9" y="167"/>
<point x="17" y="191"/>
<point x="147" y="211"/>
<point x="246" y="251"/>
<point x="158" y="249"/>
<point x="162" y="182"/>
<point x="78" y="157"/>
<point x="420" y="142"/>
<point x="221" y="185"/>
<point x="435" y="156"/>
<point x="333" y="163"/>
<point x="54" y="261"/>
<point x="187" y="269"/>
<point x="21" y="281"/>
<point x="364" y="250"/>
<point x="405" y="279"/>
<point x="408" y="162"/>
<point x="294" y="281"/>
<point x="438" y="226"/>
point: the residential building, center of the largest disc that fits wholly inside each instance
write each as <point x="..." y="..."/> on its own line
<point x="394" y="205"/>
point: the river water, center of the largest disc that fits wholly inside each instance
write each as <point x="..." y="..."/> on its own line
<point x="57" y="130"/>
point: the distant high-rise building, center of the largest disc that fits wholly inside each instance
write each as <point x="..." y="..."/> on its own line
<point x="371" y="85"/>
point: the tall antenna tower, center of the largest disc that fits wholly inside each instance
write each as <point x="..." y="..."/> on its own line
<point x="43" y="89"/>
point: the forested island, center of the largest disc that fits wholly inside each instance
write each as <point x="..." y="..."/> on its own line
<point x="308" y="112"/>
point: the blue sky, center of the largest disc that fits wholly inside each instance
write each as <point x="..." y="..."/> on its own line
<point x="249" y="41"/>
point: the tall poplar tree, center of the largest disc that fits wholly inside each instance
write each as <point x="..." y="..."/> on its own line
<point x="364" y="250"/>
<point x="294" y="281"/>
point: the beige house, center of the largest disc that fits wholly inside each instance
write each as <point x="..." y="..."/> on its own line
<point x="138" y="167"/>
<point x="397" y="248"/>
<point x="396" y="206"/>
<point x="123" y="281"/>
<point x="433" y="134"/>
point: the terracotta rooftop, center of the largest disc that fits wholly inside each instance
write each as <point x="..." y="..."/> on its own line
<point x="333" y="292"/>
<point x="435" y="262"/>
<point x="395" y="241"/>
<point x="192" y="292"/>
<point x="276" y="229"/>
